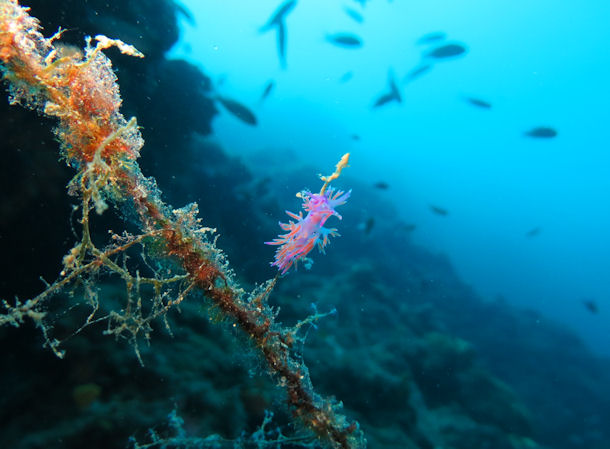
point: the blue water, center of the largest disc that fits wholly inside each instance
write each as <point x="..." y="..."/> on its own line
<point x="541" y="63"/>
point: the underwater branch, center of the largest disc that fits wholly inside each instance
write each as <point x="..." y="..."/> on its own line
<point x="80" y="91"/>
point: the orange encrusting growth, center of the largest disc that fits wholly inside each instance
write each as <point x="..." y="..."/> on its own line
<point x="86" y="104"/>
<point x="80" y="91"/>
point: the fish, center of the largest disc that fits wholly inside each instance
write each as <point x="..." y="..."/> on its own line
<point x="367" y="226"/>
<point x="429" y="38"/>
<point x="238" y="110"/>
<point x="381" y="185"/>
<point x="281" y="43"/>
<point x="186" y="14"/>
<point x="277" y="20"/>
<point x="268" y="88"/>
<point x="253" y="190"/>
<point x="383" y="99"/>
<point x="221" y="79"/>
<point x="533" y="232"/>
<point x="591" y="306"/>
<point x="278" y="16"/>
<point x="261" y="187"/>
<point x="409" y="227"/>
<point x="355" y="137"/>
<point x="439" y="210"/>
<point x="355" y="15"/>
<point x="394" y="88"/>
<point x="446" y="51"/>
<point x="345" y="40"/>
<point x="392" y="95"/>
<point x="346" y="77"/>
<point x="417" y="72"/>
<point x="541" y="132"/>
<point x="478" y="103"/>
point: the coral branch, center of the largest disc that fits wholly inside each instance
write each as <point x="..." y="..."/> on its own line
<point x="338" y="168"/>
<point x="80" y="91"/>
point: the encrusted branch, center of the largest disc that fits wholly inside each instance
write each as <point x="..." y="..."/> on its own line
<point x="80" y="91"/>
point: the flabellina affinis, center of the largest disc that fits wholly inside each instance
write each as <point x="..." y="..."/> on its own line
<point x="305" y="233"/>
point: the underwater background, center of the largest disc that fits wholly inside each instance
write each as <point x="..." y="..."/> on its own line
<point x="471" y="275"/>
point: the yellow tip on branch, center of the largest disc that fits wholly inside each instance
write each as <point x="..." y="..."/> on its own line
<point x="340" y="166"/>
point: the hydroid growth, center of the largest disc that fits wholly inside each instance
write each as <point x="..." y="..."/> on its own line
<point x="79" y="90"/>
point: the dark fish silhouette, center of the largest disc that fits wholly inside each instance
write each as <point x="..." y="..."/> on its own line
<point x="417" y="72"/>
<point x="381" y="185"/>
<point x="478" y="103"/>
<point x="591" y="306"/>
<point x="353" y="14"/>
<point x="345" y="40"/>
<point x="238" y="110"/>
<point x="355" y="137"/>
<point x="221" y="79"/>
<point x="408" y="227"/>
<point x="384" y="99"/>
<point x="185" y="13"/>
<point x="533" y="232"/>
<point x="446" y="51"/>
<point x="281" y="43"/>
<point x="253" y="190"/>
<point x="369" y="225"/>
<point x="392" y="95"/>
<point x="268" y="88"/>
<point x="278" y="16"/>
<point x="346" y="77"/>
<point x="429" y="38"/>
<point x="277" y="21"/>
<point x="439" y="210"/>
<point x="541" y="132"/>
<point x="261" y="187"/>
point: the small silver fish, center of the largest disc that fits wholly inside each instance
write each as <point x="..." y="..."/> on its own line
<point x="278" y="16"/>
<point x="446" y="51"/>
<point x="382" y="185"/>
<point x="345" y="40"/>
<point x="355" y="15"/>
<point x="409" y="227"/>
<point x="429" y="38"/>
<point x="591" y="306"/>
<point x="439" y="211"/>
<point x="478" y="103"/>
<point x="533" y="232"/>
<point x="417" y="72"/>
<point x="277" y="21"/>
<point x="268" y="88"/>
<point x="367" y="226"/>
<point x="281" y="43"/>
<point x="392" y="95"/>
<point x="541" y="132"/>
<point x="238" y="110"/>
<point x="346" y="77"/>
